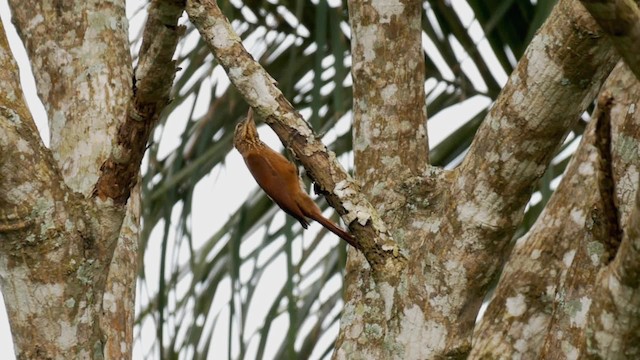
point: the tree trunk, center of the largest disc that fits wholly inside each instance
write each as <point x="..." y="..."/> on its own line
<point x="433" y="240"/>
<point x="69" y="214"/>
<point x="430" y="241"/>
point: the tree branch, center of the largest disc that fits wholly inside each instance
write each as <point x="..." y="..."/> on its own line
<point x="83" y="80"/>
<point x="260" y="91"/>
<point x="152" y="85"/>
<point x="26" y="168"/>
<point x="484" y="198"/>
<point x="573" y="239"/>
<point x="390" y="111"/>
<point x="558" y="77"/>
<point x="517" y="140"/>
<point x="153" y="79"/>
<point x="613" y="327"/>
<point x="620" y="19"/>
<point x="54" y="247"/>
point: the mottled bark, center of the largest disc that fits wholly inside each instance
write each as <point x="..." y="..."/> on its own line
<point x="259" y="90"/>
<point x="620" y="19"/>
<point x="419" y="298"/>
<point x="390" y="137"/>
<point x="53" y="249"/>
<point x="547" y="293"/>
<point x="613" y="326"/>
<point x="383" y="318"/>
<point x="457" y="225"/>
<point x="82" y="67"/>
<point x="152" y="85"/>
<point x="69" y="219"/>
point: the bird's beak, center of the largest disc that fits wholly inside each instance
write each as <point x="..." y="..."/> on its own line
<point x="245" y="131"/>
<point x="250" y="117"/>
<point x="244" y="124"/>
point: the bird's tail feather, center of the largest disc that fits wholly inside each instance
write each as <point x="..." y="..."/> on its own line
<point x="336" y="230"/>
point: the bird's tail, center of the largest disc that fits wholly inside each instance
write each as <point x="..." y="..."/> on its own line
<point x="329" y="225"/>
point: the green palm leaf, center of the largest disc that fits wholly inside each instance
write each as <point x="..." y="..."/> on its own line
<point x="212" y="286"/>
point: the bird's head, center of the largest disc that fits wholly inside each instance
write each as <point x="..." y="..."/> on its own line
<point x="246" y="134"/>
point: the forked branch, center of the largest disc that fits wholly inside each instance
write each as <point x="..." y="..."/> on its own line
<point x="152" y="85"/>
<point x="260" y="91"/>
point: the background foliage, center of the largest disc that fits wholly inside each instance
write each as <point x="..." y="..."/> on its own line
<point x="238" y="276"/>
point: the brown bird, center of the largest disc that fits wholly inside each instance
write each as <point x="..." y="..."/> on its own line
<point x="278" y="177"/>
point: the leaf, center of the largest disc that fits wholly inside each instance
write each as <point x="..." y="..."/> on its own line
<point x="214" y="283"/>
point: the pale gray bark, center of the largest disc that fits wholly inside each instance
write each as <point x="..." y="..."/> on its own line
<point x="419" y="298"/>
<point x="69" y="214"/>
<point x="453" y="227"/>
<point x="458" y="224"/>
<point x="429" y="241"/>
<point x="556" y="287"/>
<point x="260" y="91"/>
<point x="613" y="326"/>
<point x="620" y="19"/>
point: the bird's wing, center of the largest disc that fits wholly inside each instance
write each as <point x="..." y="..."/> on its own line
<point x="275" y="182"/>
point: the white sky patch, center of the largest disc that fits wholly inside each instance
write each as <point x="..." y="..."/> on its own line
<point x="435" y="55"/>
<point x="26" y="76"/>
<point x="445" y="122"/>
<point x="516" y="305"/>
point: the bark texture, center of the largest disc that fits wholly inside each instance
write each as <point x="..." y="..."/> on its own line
<point x="457" y="225"/>
<point x="81" y="62"/>
<point x="613" y="325"/>
<point x="442" y="236"/>
<point x="551" y="298"/>
<point x="260" y="91"/>
<point x="620" y="19"/>
<point x="69" y="217"/>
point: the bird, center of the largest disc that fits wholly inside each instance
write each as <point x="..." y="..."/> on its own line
<point x="278" y="177"/>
